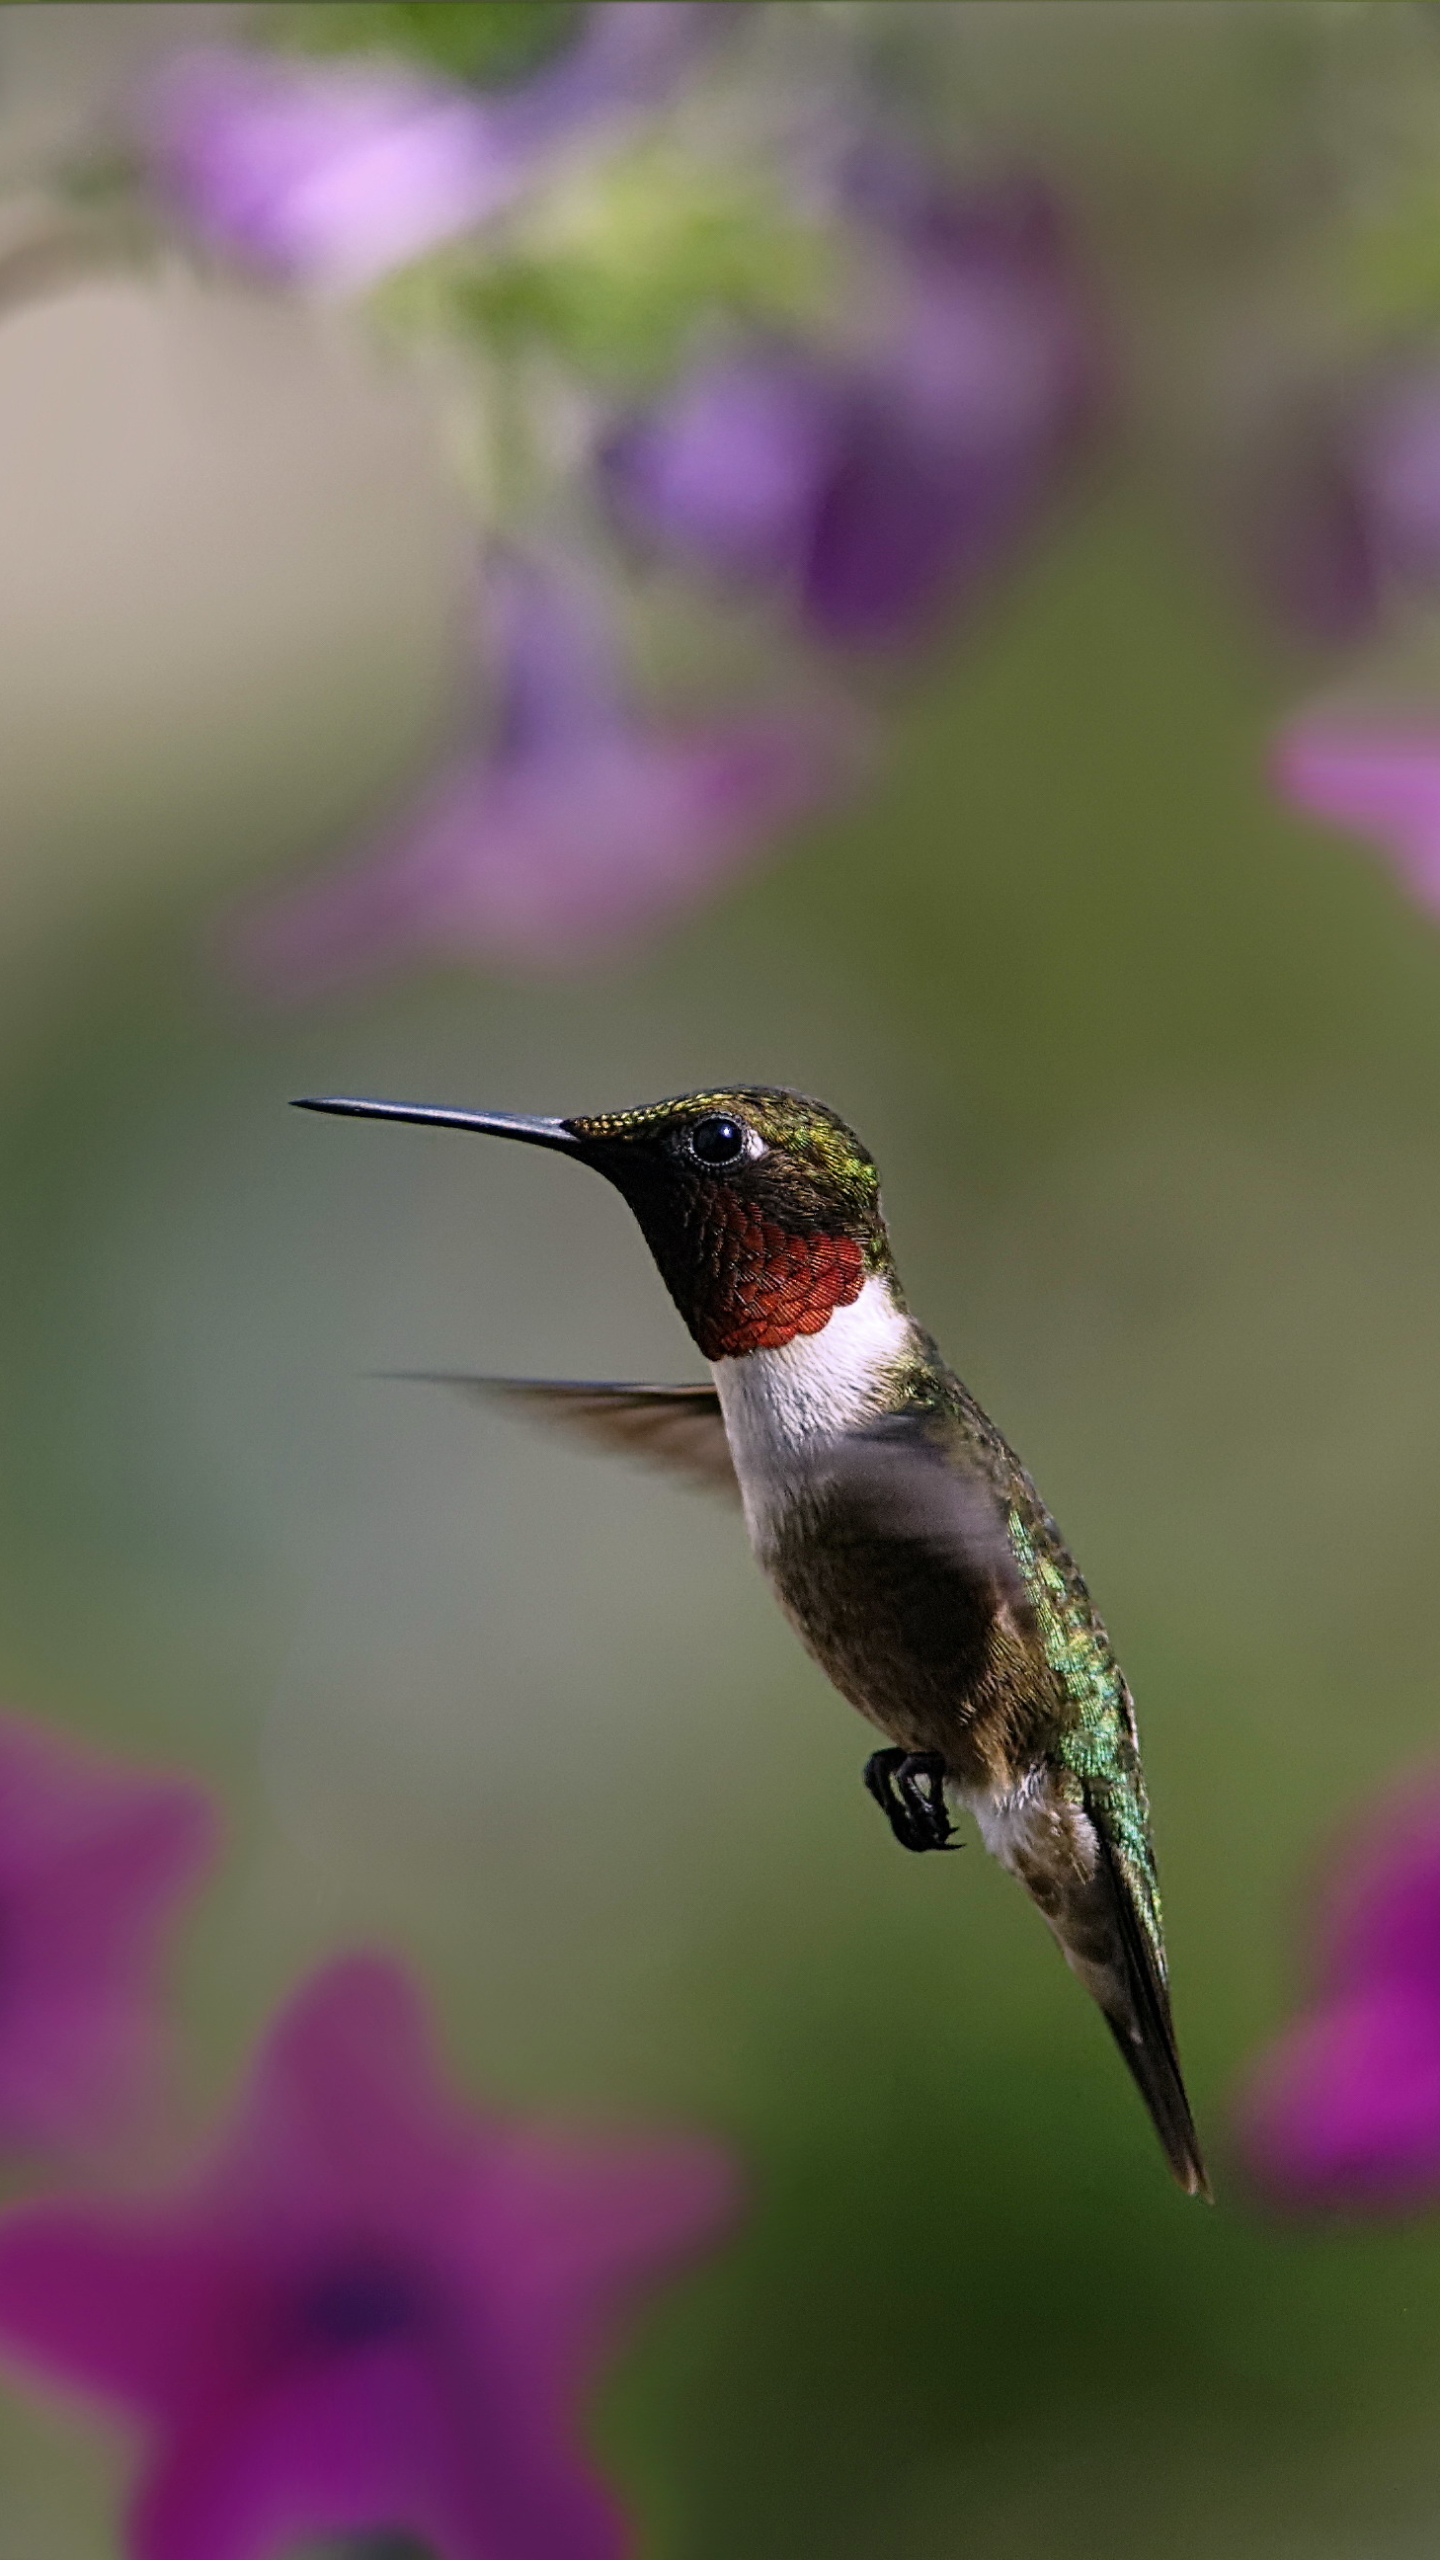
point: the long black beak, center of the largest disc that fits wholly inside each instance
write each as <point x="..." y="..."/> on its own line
<point x="430" y="1115"/>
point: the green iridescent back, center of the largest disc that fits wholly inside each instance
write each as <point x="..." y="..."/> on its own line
<point x="1097" y="1743"/>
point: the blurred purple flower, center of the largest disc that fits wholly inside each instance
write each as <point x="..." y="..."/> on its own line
<point x="93" y="1859"/>
<point x="1344" y="2110"/>
<point x="1378" y="782"/>
<point x="581" y="827"/>
<point x="875" y="488"/>
<point x="374" y="2310"/>
<point x="1347" y="506"/>
<point x="1397" y="473"/>
<point x="1309" y="539"/>
<point x="334" y="173"/>
<point x="330" y="174"/>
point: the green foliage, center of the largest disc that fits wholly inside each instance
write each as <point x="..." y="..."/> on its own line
<point x="623" y="269"/>
<point x="1390" y="268"/>
<point x="484" y="41"/>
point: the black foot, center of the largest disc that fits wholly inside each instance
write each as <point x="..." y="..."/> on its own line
<point x="909" y="1788"/>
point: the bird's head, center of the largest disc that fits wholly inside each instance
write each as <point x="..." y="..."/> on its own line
<point x="761" y="1208"/>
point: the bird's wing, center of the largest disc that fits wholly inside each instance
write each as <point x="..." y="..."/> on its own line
<point x="678" y="1428"/>
<point x="916" y="1489"/>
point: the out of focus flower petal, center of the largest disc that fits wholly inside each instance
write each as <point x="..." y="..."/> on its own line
<point x="343" y="2118"/>
<point x="910" y="521"/>
<point x="332" y="173"/>
<point x="1382" y="1917"/>
<point x="584" y="827"/>
<point x="93" y="1860"/>
<point x="1344" y="2112"/>
<point x="1311" y="547"/>
<point x="547" y="631"/>
<point x="552" y="864"/>
<point x="1345" y="507"/>
<point x="1396" y="474"/>
<point x="975" y="397"/>
<point x="590" y="2222"/>
<point x="336" y="172"/>
<point x="629" y="53"/>
<point x="879" y="486"/>
<point x="1374" y="781"/>
<point x="375" y="2310"/>
<point x="732" y="468"/>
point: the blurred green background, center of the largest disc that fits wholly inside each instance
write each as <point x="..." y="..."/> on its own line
<point x="1154" y="1077"/>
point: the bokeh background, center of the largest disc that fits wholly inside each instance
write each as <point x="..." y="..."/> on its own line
<point x="1153" y="1072"/>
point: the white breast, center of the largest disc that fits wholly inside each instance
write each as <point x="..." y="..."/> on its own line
<point x="781" y="1407"/>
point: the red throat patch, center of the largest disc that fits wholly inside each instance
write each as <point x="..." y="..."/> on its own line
<point x="770" y="1285"/>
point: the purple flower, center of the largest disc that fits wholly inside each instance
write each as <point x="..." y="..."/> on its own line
<point x="374" y="2310"/>
<point x="581" y="827"/>
<point x="730" y="467"/>
<point x="1346" y="511"/>
<point x="1380" y="782"/>
<point x="877" y="487"/>
<point x="333" y="174"/>
<point x="1344" y="2110"/>
<point x="1397" y="473"/>
<point x="1309" y="537"/>
<point x="336" y="172"/>
<point x="93" y="1859"/>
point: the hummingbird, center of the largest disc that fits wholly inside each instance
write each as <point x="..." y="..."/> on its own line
<point x="900" y="1533"/>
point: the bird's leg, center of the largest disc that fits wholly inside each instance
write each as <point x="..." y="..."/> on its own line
<point x="909" y="1787"/>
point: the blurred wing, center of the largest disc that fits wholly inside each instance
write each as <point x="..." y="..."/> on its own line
<point x="678" y="1428"/>
<point x="913" y="1488"/>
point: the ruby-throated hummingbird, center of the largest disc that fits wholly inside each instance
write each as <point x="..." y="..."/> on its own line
<point x="904" y="1540"/>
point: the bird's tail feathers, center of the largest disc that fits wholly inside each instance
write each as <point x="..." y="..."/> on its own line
<point x="1137" y="2011"/>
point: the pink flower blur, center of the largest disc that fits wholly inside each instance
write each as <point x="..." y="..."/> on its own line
<point x="94" y="1858"/>
<point x="1380" y="782"/>
<point x="335" y="173"/>
<point x="583" y="827"/>
<point x="878" y="488"/>
<point x="332" y="173"/>
<point x="1343" y="2111"/>
<point x="374" y="2310"/>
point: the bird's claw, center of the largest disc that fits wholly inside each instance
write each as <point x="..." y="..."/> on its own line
<point x="909" y="1787"/>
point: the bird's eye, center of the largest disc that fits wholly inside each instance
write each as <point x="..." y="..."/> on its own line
<point x="718" y="1141"/>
